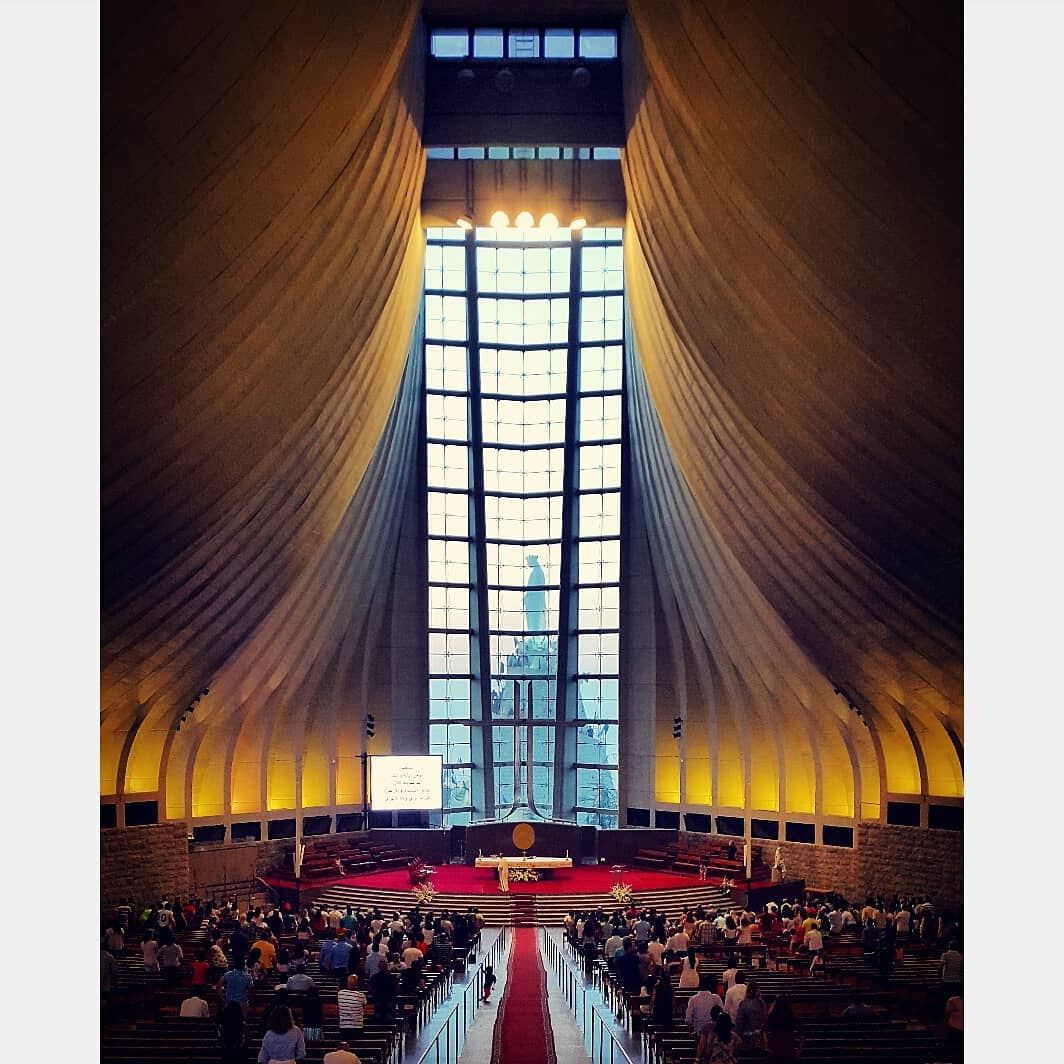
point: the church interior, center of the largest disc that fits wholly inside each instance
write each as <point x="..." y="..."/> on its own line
<point x="532" y="490"/>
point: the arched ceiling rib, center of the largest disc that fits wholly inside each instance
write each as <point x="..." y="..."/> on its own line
<point x="793" y="268"/>
<point x="261" y="253"/>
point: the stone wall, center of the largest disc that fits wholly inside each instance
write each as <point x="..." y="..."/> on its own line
<point x="144" y="863"/>
<point x="886" y="859"/>
<point x="912" y="861"/>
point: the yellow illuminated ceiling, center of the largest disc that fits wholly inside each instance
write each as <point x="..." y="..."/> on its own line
<point x="792" y="249"/>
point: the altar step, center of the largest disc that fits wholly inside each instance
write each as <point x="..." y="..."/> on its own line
<point x="539" y="909"/>
<point x="523" y="910"/>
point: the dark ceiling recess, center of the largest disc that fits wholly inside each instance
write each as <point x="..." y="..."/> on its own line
<point x="519" y="96"/>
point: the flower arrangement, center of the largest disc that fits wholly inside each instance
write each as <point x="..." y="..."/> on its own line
<point x="424" y="893"/>
<point x="622" y="893"/>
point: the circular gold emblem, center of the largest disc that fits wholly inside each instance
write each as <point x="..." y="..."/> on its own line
<point x="524" y="837"/>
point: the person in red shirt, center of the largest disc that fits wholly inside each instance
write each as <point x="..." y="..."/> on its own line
<point x="201" y="967"/>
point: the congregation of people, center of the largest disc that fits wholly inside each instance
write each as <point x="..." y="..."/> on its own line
<point x="652" y="957"/>
<point x="368" y="957"/>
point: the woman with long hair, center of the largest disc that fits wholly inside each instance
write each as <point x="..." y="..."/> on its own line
<point x="751" y="1017"/>
<point x="312" y="1015"/>
<point x="232" y="1039"/>
<point x="719" y="1044"/>
<point x="661" y="1004"/>
<point x="783" y="1033"/>
<point x="284" y="1040"/>
<point x="689" y="974"/>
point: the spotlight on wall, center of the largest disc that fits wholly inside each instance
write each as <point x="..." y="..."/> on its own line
<point x="525" y="220"/>
<point x="464" y="221"/>
<point x="578" y="223"/>
<point x="549" y="222"/>
<point x="500" y="220"/>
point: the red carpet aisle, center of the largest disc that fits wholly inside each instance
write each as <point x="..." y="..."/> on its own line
<point x="523" y="1032"/>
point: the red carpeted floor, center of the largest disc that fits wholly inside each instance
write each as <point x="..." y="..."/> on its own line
<point x="523" y="1034"/>
<point x="461" y="879"/>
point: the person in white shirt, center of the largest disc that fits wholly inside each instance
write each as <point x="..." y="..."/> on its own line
<point x="613" y="943"/>
<point x="728" y="978"/>
<point x="679" y="941"/>
<point x="411" y="955"/>
<point x="195" y="1007"/>
<point x="700" y="1008"/>
<point x="656" y="950"/>
<point x="689" y="978"/>
<point x="902" y="920"/>
<point x="341" y="1055"/>
<point x="735" y="995"/>
<point x="814" y="942"/>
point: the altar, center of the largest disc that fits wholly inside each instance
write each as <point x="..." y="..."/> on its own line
<point x="538" y="863"/>
<point x="524" y="869"/>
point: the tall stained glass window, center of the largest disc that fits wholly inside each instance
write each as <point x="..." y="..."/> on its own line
<point x="523" y="425"/>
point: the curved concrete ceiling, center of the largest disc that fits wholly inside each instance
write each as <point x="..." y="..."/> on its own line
<point x="793" y="266"/>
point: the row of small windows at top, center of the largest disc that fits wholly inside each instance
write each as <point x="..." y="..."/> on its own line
<point x="496" y="43"/>
<point x="517" y="151"/>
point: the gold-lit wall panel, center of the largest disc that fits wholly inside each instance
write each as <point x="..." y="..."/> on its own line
<point x="794" y="342"/>
<point x="262" y="274"/>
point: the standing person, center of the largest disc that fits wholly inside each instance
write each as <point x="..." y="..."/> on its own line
<point x="661" y="1002"/>
<point x="699" y="1014"/>
<point x="719" y="1044"/>
<point x="952" y="962"/>
<point x="814" y="943"/>
<point x="351" y="1004"/>
<point x="170" y="958"/>
<point x="735" y="995"/>
<point x="312" y="1015"/>
<point x="235" y="986"/>
<point x="955" y="1024"/>
<point x="489" y="982"/>
<point x="751" y="1017"/>
<point x="341" y="1055"/>
<point x="783" y="1033"/>
<point x="689" y="978"/>
<point x="232" y="1039"/>
<point x="194" y="1007"/>
<point x="108" y="974"/>
<point x="150" y="949"/>
<point x="283" y="1041"/>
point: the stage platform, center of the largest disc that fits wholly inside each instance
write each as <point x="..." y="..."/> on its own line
<point x="545" y="902"/>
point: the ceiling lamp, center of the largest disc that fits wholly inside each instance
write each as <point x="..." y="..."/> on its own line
<point x="465" y="221"/>
<point x="500" y="220"/>
<point x="525" y="220"/>
<point x="549" y="222"/>
<point x="578" y="223"/>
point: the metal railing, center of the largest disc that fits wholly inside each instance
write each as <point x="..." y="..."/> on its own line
<point x="592" y="1016"/>
<point x="447" y="1046"/>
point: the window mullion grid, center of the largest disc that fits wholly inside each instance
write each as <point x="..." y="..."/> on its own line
<point x="564" y="738"/>
<point x="481" y="686"/>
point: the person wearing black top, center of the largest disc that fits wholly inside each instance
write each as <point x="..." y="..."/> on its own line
<point x="382" y="988"/>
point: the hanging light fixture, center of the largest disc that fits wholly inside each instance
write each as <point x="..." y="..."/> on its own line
<point x="525" y="220"/>
<point x="549" y="222"/>
<point x="500" y="220"/>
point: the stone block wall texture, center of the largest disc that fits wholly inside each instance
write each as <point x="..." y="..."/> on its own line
<point x="886" y="859"/>
<point x="144" y="863"/>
